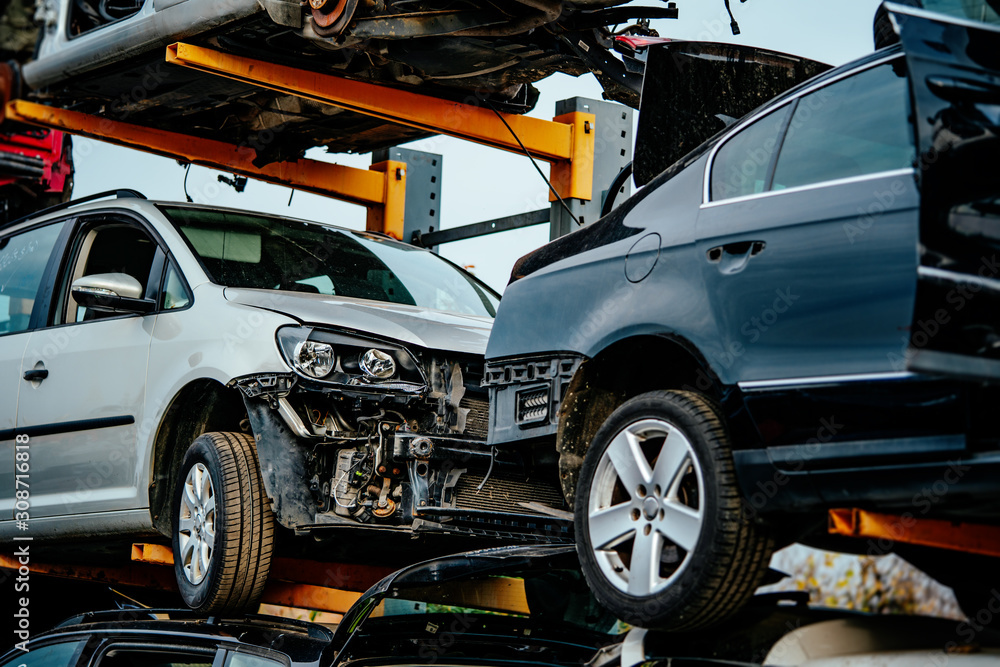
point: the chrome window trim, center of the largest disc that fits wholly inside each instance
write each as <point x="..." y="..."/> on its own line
<point x="814" y="186"/>
<point x="706" y="180"/>
<point x="956" y="277"/>
<point x="753" y="385"/>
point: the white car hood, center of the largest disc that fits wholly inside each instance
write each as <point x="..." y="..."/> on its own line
<point x="428" y="328"/>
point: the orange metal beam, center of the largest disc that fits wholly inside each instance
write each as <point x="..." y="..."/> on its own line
<point x="561" y="141"/>
<point x="575" y="178"/>
<point x="152" y="554"/>
<point x="342" y="576"/>
<point x="336" y="586"/>
<point x="147" y="571"/>
<point x="907" y="529"/>
<point x="137" y="574"/>
<point x="378" y="189"/>
<point x="494" y="594"/>
<point x="306" y="596"/>
<point x="331" y="587"/>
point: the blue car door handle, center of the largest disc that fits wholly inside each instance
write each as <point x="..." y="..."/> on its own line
<point x="733" y="257"/>
<point x="736" y="249"/>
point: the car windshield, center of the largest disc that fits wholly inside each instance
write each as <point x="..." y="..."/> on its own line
<point x="263" y="252"/>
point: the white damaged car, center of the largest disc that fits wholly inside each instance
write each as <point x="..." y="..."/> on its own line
<point x="212" y="375"/>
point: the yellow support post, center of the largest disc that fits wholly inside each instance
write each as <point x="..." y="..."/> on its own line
<point x="374" y="188"/>
<point x="564" y="141"/>
<point x="575" y="179"/>
<point x="389" y="217"/>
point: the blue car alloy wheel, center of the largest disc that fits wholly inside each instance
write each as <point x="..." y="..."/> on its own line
<point x="662" y="535"/>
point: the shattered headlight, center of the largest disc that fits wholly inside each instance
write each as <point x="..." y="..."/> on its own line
<point x="347" y="359"/>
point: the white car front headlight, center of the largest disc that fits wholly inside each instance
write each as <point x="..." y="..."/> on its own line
<point x="314" y="358"/>
<point x="347" y="359"/>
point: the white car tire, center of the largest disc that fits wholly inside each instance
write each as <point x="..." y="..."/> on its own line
<point x="223" y="527"/>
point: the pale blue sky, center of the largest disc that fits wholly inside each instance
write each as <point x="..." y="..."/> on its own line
<point x="481" y="183"/>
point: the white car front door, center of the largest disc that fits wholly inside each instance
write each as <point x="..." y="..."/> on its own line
<point x="24" y="256"/>
<point x="84" y="408"/>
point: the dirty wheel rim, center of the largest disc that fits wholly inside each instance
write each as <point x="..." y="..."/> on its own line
<point x="196" y="523"/>
<point x="646" y="507"/>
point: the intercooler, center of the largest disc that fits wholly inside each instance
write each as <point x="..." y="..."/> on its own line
<point x="477" y="422"/>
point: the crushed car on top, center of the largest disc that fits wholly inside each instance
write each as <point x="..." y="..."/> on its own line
<point x="107" y="58"/>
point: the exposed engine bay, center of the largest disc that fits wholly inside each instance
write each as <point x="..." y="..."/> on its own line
<point x="410" y="455"/>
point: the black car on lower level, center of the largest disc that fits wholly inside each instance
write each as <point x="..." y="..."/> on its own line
<point x="527" y="606"/>
<point x="799" y="314"/>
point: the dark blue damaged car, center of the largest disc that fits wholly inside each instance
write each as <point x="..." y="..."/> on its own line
<point x="799" y="313"/>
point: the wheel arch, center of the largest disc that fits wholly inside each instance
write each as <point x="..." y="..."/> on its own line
<point x="611" y="377"/>
<point x="200" y="406"/>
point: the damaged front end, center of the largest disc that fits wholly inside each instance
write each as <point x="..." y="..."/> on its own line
<point x="367" y="431"/>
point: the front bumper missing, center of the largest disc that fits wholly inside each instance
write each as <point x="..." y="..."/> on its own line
<point x="408" y="480"/>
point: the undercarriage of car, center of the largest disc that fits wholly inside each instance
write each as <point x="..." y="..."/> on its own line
<point x="474" y="51"/>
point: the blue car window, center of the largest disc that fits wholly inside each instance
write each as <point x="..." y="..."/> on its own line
<point x="175" y="294"/>
<point x="853" y="127"/>
<point x="742" y="164"/>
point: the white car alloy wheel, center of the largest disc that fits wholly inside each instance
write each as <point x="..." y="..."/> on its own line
<point x="196" y="525"/>
<point x="645" y="510"/>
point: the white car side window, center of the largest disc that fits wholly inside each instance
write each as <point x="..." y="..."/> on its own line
<point x="23" y="258"/>
<point x="111" y="248"/>
<point x="175" y="294"/>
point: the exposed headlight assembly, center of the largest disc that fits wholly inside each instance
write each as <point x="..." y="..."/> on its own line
<point x="377" y="365"/>
<point x="348" y="359"/>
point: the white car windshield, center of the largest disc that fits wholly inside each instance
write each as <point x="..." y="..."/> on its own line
<point x="248" y="250"/>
